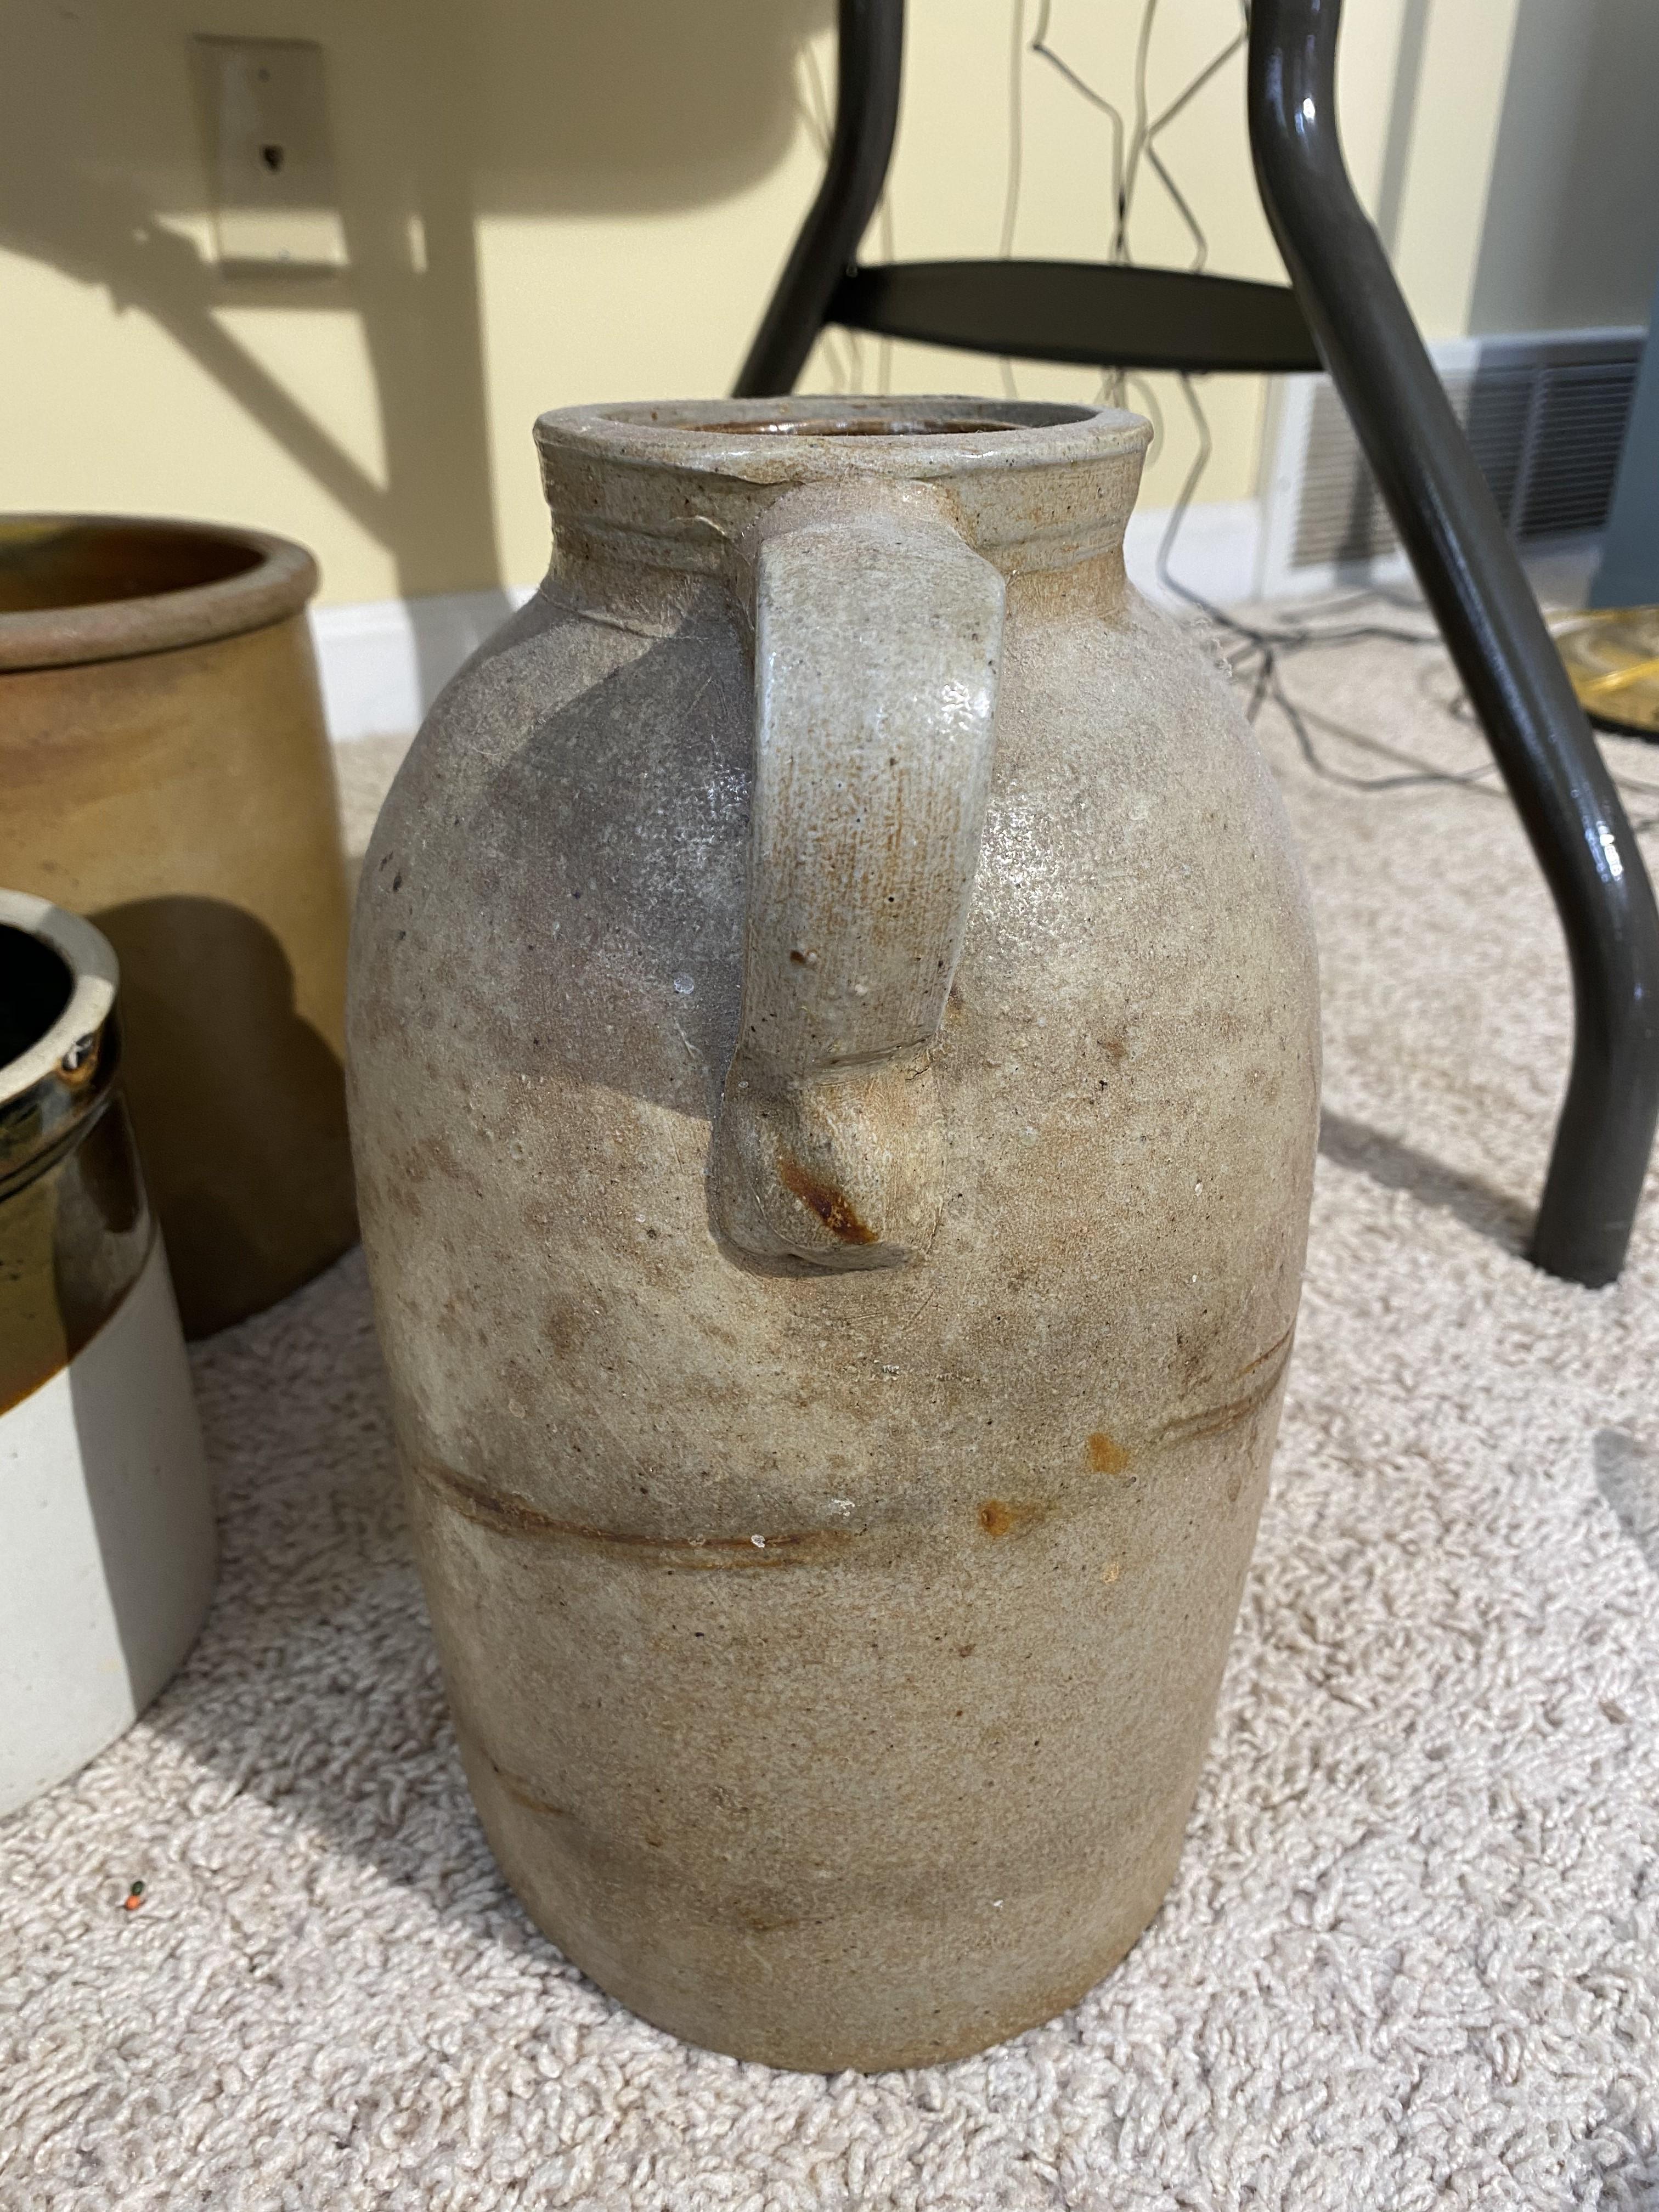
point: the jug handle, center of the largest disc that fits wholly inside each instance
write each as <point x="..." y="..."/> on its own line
<point x="878" y="633"/>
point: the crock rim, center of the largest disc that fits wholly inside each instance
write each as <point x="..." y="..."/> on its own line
<point x="282" y="577"/>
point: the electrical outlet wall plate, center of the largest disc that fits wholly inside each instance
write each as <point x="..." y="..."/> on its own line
<point x="271" y="163"/>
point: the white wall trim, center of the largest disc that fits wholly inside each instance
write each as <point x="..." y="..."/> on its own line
<point x="1216" y="553"/>
<point x="1286" y="441"/>
<point x="384" y="661"/>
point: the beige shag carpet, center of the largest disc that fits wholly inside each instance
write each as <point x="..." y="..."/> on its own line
<point x="1412" y="1957"/>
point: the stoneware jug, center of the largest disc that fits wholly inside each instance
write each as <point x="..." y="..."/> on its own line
<point x="832" y="1061"/>
<point x="107" y="1551"/>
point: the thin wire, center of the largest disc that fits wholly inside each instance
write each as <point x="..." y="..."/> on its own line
<point x="1016" y="163"/>
<point x="1138" y="136"/>
<point x="1147" y="393"/>
<point x="1257" y="651"/>
<point x="1189" y="92"/>
<point x="1039" y="46"/>
<point x="1129" y="147"/>
<point x="1196" y="85"/>
<point x="1015" y="128"/>
<point x="842" y="356"/>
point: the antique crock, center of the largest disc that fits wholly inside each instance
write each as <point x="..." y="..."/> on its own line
<point x="833" y="1062"/>
<point x="107" y="1552"/>
<point x="167" y="772"/>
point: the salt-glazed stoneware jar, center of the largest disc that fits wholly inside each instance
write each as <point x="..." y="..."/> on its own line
<point x="107" y="1545"/>
<point x="833" y="1059"/>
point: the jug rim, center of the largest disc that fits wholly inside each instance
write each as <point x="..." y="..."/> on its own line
<point x="803" y="436"/>
<point x="677" y="483"/>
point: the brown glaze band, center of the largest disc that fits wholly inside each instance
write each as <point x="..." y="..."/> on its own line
<point x="507" y="1514"/>
<point x="75" y="1226"/>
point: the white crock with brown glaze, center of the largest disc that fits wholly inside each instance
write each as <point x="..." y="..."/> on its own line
<point x="834" y="1068"/>
<point x="107" y="1546"/>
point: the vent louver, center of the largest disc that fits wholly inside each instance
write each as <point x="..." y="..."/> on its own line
<point x="1545" y="417"/>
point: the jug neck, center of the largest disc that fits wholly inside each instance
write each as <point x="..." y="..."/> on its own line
<point x="652" y="505"/>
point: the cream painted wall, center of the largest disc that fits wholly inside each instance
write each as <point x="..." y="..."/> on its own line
<point x="1458" y="53"/>
<point x="547" y="201"/>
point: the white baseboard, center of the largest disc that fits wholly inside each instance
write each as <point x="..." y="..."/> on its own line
<point x="384" y="661"/>
<point x="1216" y="553"/>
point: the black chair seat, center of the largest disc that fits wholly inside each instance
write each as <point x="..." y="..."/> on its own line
<point x="1090" y="312"/>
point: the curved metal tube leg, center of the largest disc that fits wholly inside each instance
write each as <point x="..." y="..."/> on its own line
<point x="1449" y="525"/>
<point x="871" y="51"/>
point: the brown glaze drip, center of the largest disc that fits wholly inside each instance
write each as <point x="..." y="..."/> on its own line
<point x="1001" y="1517"/>
<point x="1214" y="1420"/>
<point x="830" y="1206"/>
<point x="1105" y="1456"/>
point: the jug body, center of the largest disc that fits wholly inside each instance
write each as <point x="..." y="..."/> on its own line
<point x="834" y="1076"/>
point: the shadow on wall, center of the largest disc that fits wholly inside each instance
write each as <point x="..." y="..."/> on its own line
<point x="439" y="113"/>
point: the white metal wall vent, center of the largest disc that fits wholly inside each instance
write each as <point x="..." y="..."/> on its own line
<point x="1545" y="414"/>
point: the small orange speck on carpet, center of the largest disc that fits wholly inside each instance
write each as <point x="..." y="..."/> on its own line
<point x="134" y="1898"/>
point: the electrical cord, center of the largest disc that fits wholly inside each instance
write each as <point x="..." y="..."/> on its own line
<point x="1254" y="652"/>
<point x="1257" y="655"/>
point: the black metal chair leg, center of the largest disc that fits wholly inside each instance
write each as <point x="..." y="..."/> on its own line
<point x="1449" y="525"/>
<point x="872" y="48"/>
<point x="1445" y="516"/>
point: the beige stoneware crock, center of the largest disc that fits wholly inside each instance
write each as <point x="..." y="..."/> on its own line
<point x="166" y="771"/>
<point x="833" y="1061"/>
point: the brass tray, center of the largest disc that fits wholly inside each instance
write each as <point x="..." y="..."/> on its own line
<point x="1612" y="656"/>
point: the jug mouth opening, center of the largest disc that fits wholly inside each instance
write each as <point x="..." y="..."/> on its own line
<point x="916" y="426"/>
<point x="675" y="484"/>
<point x="887" y="423"/>
<point x="836" y="415"/>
